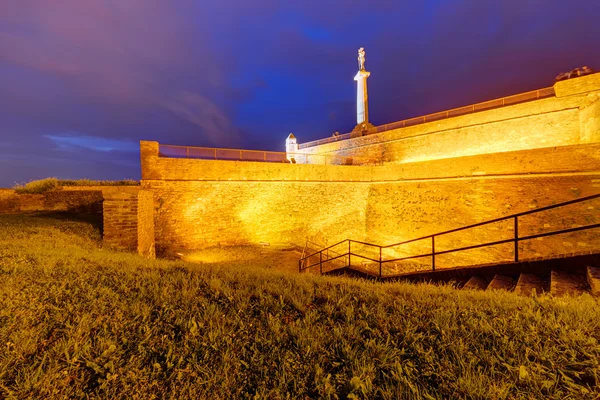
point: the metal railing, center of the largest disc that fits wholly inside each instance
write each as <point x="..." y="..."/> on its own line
<point x="376" y="255"/>
<point x="210" y="153"/>
<point x="486" y="105"/>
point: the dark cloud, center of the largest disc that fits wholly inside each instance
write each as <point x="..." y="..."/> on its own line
<point x="82" y="82"/>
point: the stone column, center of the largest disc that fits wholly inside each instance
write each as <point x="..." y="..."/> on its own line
<point x="362" y="98"/>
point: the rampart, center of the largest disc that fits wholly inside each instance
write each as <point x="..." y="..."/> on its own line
<point x="570" y="117"/>
<point x="203" y="203"/>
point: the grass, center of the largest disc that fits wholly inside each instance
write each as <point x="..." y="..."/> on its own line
<point x="80" y="321"/>
<point x="44" y="185"/>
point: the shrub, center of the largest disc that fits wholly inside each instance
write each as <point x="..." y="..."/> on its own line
<point x="47" y="184"/>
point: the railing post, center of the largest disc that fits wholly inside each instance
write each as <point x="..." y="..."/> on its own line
<point x="349" y="251"/>
<point x="321" y="262"/>
<point x="187" y="151"/>
<point x="516" y="239"/>
<point x="241" y="158"/>
<point x="433" y="253"/>
<point x="380" y="262"/>
<point x="215" y="154"/>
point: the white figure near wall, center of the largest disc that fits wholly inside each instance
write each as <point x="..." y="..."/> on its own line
<point x="291" y="148"/>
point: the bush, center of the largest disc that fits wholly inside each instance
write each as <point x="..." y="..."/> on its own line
<point x="47" y="184"/>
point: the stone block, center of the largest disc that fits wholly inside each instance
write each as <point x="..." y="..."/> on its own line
<point x="593" y="279"/>
<point x="501" y="282"/>
<point x="528" y="283"/>
<point x="476" y="283"/>
<point x="564" y="283"/>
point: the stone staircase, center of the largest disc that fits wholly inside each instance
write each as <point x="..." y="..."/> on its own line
<point x="571" y="274"/>
<point x="558" y="283"/>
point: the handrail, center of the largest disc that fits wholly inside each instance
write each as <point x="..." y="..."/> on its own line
<point x="454" y="112"/>
<point x="491" y="221"/>
<point x="225" y="154"/>
<point x="515" y="239"/>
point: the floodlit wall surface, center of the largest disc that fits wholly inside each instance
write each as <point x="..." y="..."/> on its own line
<point x="571" y="117"/>
<point x="145" y="223"/>
<point x="128" y="220"/>
<point x="203" y="203"/>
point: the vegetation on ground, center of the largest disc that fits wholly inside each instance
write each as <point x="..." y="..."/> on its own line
<point x="44" y="185"/>
<point x="77" y="320"/>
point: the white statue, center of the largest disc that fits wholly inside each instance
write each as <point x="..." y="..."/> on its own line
<point x="361" y="59"/>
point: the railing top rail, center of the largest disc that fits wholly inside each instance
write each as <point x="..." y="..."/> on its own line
<point x="329" y="247"/>
<point x="470" y="108"/>
<point x="537" y="210"/>
<point x="508" y="217"/>
<point x="220" y="148"/>
<point x="491" y="221"/>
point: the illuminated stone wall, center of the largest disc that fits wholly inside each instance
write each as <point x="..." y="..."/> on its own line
<point x="145" y="223"/>
<point x="128" y="220"/>
<point x="406" y="210"/>
<point x="208" y="203"/>
<point x="571" y="117"/>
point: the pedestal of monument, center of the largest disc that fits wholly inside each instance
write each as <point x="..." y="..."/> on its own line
<point x="362" y="104"/>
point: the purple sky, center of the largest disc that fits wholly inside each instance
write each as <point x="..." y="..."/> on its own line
<point x="81" y="82"/>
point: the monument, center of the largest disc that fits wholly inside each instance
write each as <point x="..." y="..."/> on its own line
<point x="362" y="97"/>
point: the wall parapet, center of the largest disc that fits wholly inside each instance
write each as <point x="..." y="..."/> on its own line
<point x="569" y="118"/>
<point x="565" y="159"/>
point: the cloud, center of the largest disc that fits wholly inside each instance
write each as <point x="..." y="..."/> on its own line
<point x="200" y="111"/>
<point x="76" y="142"/>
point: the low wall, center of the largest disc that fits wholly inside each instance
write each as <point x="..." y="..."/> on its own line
<point x="572" y="117"/>
<point x="128" y="219"/>
<point x="80" y="199"/>
<point x="127" y="211"/>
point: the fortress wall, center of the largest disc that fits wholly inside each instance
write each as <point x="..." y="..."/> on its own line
<point x="207" y="203"/>
<point x="203" y="214"/>
<point x="405" y="210"/>
<point x="571" y="117"/>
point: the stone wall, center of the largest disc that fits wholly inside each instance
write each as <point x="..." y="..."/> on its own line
<point x="207" y="203"/>
<point x="204" y="214"/>
<point x="401" y="211"/>
<point x="145" y="223"/>
<point x="128" y="219"/>
<point x="571" y="117"/>
<point x="79" y="199"/>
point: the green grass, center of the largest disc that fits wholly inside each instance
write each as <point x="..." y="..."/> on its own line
<point x="80" y="321"/>
<point x="44" y="185"/>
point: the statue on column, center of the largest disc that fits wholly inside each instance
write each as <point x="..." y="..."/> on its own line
<point x="361" y="59"/>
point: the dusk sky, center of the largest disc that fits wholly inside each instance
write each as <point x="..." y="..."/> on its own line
<point x="81" y="82"/>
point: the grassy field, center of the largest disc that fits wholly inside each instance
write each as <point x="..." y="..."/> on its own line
<point x="80" y="321"/>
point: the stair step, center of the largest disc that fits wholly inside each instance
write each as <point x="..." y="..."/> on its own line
<point x="593" y="278"/>
<point x="476" y="283"/>
<point x="527" y="283"/>
<point x="562" y="283"/>
<point x="501" y="282"/>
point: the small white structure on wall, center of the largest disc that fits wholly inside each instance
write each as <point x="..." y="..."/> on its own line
<point x="291" y="148"/>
